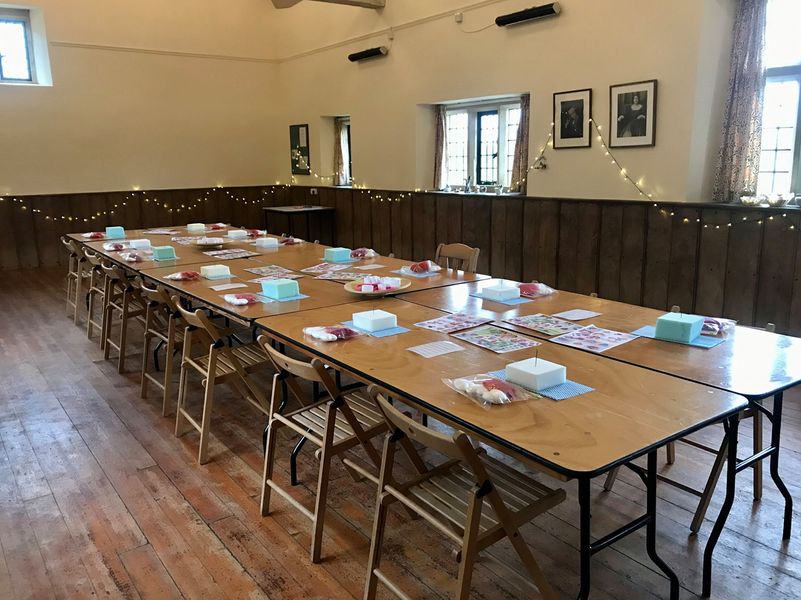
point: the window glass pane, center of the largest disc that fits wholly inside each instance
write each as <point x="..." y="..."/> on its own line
<point x="14" y="50"/>
<point x="767" y="162"/>
<point x="785" y="138"/>
<point x="456" y="124"/>
<point x="782" y="34"/>
<point x="512" y="123"/>
<point x="488" y="148"/>
<point x="778" y="135"/>
<point x="784" y="162"/>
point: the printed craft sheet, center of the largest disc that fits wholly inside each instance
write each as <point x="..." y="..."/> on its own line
<point x="594" y="338"/>
<point x="324" y="268"/>
<point x="496" y="339"/>
<point x="340" y="276"/>
<point x="544" y="324"/>
<point x="450" y="323"/>
<point x="271" y="272"/>
<point x="230" y="254"/>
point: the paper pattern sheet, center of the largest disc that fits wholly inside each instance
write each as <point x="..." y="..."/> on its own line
<point x="544" y="324"/>
<point x="370" y="267"/>
<point x="496" y="339"/>
<point x="230" y="254"/>
<point x="271" y="272"/>
<point x="450" y="323"/>
<point x="594" y="339"/>
<point x="228" y="286"/>
<point x="340" y="276"/>
<point x="324" y="268"/>
<point x="435" y="349"/>
<point x="577" y="314"/>
<point x="185" y="240"/>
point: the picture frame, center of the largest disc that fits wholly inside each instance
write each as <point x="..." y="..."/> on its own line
<point x="632" y="114"/>
<point x="299" y="149"/>
<point x="572" y="112"/>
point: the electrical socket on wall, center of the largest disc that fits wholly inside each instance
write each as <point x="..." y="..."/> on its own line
<point x="458" y="17"/>
<point x="313" y="191"/>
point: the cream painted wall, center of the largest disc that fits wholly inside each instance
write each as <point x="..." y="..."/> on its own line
<point x="683" y="44"/>
<point x="190" y="102"/>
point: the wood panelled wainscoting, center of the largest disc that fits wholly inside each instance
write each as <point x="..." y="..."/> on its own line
<point x="734" y="261"/>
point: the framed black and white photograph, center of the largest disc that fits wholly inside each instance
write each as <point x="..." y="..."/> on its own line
<point x="299" y="148"/>
<point x="632" y="114"/>
<point x="571" y="114"/>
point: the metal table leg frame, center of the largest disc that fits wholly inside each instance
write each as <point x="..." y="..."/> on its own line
<point x="587" y="548"/>
<point x="775" y="441"/>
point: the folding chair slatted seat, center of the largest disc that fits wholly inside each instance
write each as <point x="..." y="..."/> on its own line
<point x="216" y="363"/>
<point x="472" y="499"/>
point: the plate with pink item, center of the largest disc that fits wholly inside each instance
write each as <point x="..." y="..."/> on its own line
<point x="373" y="285"/>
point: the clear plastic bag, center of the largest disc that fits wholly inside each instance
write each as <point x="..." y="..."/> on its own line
<point x="114" y="246"/>
<point x="94" y="235"/>
<point x="714" y="326"/>
<point x="426" y="266"/>
<point x="183" y="276"/>
<point x="131" y="257"/>
<point x="290" y="241"/>
<point x="331" y="333"/>
<point x="363" y="253"/>
<point x="240" y="299"/>
<point x="488" y="390"/>
<point x="535" y="289"/>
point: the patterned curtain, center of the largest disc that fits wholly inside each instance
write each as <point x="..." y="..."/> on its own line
<point x="520" y="162"/>
<point x="440" y="148"/>
<point x="341" y="175"/>
<point x="738" y="158"/>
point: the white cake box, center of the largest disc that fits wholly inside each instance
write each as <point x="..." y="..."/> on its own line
<point x="196" y="228"/>
<point x="501" y="292"/>
<point x="143" y="244"/>
<point x="215" y="271"/>
<point x="374" y="320"/>
<point x="238" y="234"/>
<point x="267" y="242"/>
<point x="536" y="374"/>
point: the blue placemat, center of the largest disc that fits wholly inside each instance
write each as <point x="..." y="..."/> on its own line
<point x="165" y="259"/>
<point x="510" y="302"/>
<point x="416" y="275"/>
<point x="702" y="341"/>
<point x="383" y="333"/>
<point x="290" y="299"/>
<point x="566" y="390"/>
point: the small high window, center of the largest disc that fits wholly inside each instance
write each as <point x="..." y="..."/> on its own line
<point x="16" y="46"/>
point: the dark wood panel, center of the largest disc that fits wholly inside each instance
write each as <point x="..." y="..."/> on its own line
<point x="531" y="239"/>
<point x="498" y="237"/>
<point x="424" y="223"/>
<point x="776" y="272"/>
<point x="610" y="251"/>
<point x="683" y="258"/>
<point x="657" y="258"/>
<point x="548" y="249"/>
<point x="362" y="220"/>
<point x="632" y="255"/>
<point x="513" y="268"/>
<point x="381" y="223"/>
<point x="712" y="253"/>
<point x="476" y="215"/>
<point x="794" y="326"/>
<point x="742" y="266"/>
<point x="589" y="230"/>
<point x="568" y="246"/>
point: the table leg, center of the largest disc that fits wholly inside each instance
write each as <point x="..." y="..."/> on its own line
<point x="650" y="539"/>
<point x="775" y="440"/>
<point x="585" y="546"/>
<point x="731" y="425"/>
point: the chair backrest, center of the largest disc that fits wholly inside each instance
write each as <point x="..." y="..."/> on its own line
<point x="457" y="256"/>
<point x="70" y="245"/>
<point x="452" y="446"/>
<point x="201" y="322"/>
<point x="93" y="257"/>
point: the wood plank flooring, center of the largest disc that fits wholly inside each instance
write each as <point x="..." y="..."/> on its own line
<point x="99" y="499"/>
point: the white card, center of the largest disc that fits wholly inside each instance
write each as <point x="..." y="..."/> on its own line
<point x="368" y="267"/>
<point x="435" y="349"/>
<point x="227" y="286"/>
<point x="577" y="314"/>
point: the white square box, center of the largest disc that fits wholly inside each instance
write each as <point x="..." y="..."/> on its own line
<point x="374" y="320"/>
<point x="501" y="292"/>
<point x="536" y="374"/>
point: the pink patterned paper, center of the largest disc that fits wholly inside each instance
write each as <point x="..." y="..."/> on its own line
<point x="450" y="323"/>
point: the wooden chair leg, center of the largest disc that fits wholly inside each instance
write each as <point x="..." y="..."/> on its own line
<point x="671" y="452"/>
<point x="374" y="560"/>
<point x="610" y="479"/>
<point x="757" y="448"/>
<point x="709" y="488"/>
<point x="469" y="547"/>
<point x="179" y="409"/>
<point x="78" y="281"/>
<point x="126" y="307"/>
<point x="269" y="460"/>
<point x="108" y="313"/>
<point x="322" y="483"/>
<point x="145" y="356"/>
<point x="169" y="361"/>
<point x="531" y="565"/>
<point x="205" y="424"/>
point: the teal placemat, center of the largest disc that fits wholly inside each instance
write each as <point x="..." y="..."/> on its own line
<point x="380" y="334"/>
<point x="510" y="302"/>
<point x="702" y="341"/>
<point x="290" y="299"/>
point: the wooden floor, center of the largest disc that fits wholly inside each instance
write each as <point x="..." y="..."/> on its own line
<point x="98" y="498"/>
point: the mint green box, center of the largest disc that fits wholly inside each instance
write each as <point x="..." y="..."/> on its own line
<point x="163" y="253"/>
<point x="115" y="233"/>
<point x="336" y="255"/>
<point x="678" y="327"/>
<point x="278" y="289"/>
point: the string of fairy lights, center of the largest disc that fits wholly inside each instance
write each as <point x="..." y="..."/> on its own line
<point x="233" y="195"/>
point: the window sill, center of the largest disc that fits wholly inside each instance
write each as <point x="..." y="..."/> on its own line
<point x="26" y="84"/>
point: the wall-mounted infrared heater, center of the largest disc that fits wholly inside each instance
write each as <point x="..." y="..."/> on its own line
<point x="529" y="14"/>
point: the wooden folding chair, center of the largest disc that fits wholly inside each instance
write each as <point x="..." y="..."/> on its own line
<point x="721" y="453"/>
<point x="336" y="424"/>
<point x="472" y="499"/>
<point x="216" y="363"/>
<point x="457" y="256"/>
<point x="74" y="276"/>
<point x="163" y="323"/>
<point x="123" y="301"/>
<point x="96" y="294"/>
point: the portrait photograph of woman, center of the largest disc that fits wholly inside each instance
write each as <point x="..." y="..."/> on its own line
<point x="632" y="114"/>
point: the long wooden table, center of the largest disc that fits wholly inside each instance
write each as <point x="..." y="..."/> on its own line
<point x="631" y="413"/>
<point x="754" y="363"/>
